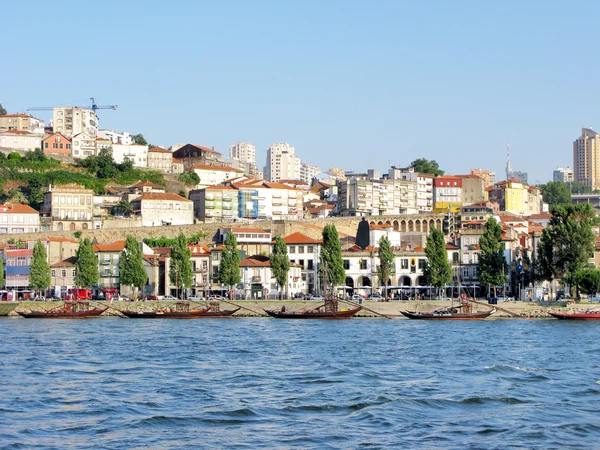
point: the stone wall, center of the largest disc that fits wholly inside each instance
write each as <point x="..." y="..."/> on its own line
<point x="346" y="227"/>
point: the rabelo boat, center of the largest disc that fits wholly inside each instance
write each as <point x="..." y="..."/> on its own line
<point x="459" y="312"/>
<point x="181" y="310"/>
<point x="328" y="310"/>
<point x="69" y="310"/>
<point x="589" y="314"/>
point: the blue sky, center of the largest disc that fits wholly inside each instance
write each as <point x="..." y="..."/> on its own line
<point x="351" y="84"/>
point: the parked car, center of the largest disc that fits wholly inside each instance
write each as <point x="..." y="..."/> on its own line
<point x="151" y="298"/>
<point x="196" y="298"/>
<point x="169" y="298"/>
<point x="377" y="297"/>
<point x="357" y="298"/>
<point x="99" y="297"/>
<point x="39" y="299"/>
<point x="122" y="298"/>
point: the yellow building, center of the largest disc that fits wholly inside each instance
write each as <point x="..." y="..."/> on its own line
<point x="516" y="197"/>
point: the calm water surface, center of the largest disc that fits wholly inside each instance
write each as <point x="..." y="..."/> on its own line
<point x="262" y="383"/>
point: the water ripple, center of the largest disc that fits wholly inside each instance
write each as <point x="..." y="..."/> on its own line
<point x="257" y="383"/>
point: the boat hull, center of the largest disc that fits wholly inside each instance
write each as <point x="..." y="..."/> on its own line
<point x="448" y="316"/>
<point x="313" y="314"/>
<point x="62" y="314"/>
<point x="193" y="314"/>
<point x="575" y="316"/>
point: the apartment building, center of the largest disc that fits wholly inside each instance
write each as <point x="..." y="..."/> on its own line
<point x="489" y="177"/>
<point x="21" y="122"/>
<point x="447" y="194"/>
<point x="160" y="159"/>
<point x="71" y="121"/>
<point x="563" y="175"/>
<point x="516" y="197"/>
<point x="69" y="207"/>
<point x="57" y="144"/>
<point x="216" y="203"/>
<point x="586" y="158"/>
<point x="17" y="268"/>
<point x="136" y="153"/>
<point x="250" y="240"/>
<point x="308" y="172"/>
<point x="84" y="145"/>
<point x="424" y="185"/>
<point x="282" y="163"/>
<point x="16" y="218"/>
<point x="473" y="189"/>
<point x="20" y="140"/>
<point x="116" y="138"/>
<point x="245" y="154"/>
<point x="211" y="175"/>
<point x="258" y="280"/>
<point x="159" y="209"/>
<point x="362" y="197"/>
<point x="304" y="251"/>
<point x="191" y="154"/>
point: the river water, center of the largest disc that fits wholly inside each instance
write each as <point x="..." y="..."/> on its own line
<point x="264" y="383"/>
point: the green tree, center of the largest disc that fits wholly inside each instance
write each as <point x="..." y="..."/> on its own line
<point x="229" y="269"/>
<point x="86" y="267"/>
<point x="131" y="266"/>
<point x="492" y="265"/>
<point x="39" y="269"/>
<point x="567" y="243"/>
<point x="190" y="178"/>
<point x="280" y="264"/>
<point x="2" y="110"/>
<point x="555" y="193"/>
<point x="579" y="188"/>
<point x="437" y="270"/>
<point x="386" y="263"/>
<point x="139" y="139"/>
<point x="180" y="270"/>
<point x="332" y="265"/>
<point x="588" y="280"/>
<point x="426" y="166"/>
<point x="123" y="208"/>
<point x="2" y="272"/>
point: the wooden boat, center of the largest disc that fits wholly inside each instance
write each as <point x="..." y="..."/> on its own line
<point x="450" y="313"/>
<point x="70" y="310"/>
<point x="590" y="314"/>
<point x="343" y="314"/>
<point x="329" y="310"/>
<point x="182" y="311"/>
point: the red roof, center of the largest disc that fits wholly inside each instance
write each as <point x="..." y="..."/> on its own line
<point x="116" y="246"/>
<point x="299" y="238"/>
<point x="158" y="150"/>
<point x="249" y="230"/>
<point x="215" y="167"/>
<point x="146" y="183"/>
<point x="161" y="196"/>
<point x="17" y="208"/>
<point x="20" y="252"/>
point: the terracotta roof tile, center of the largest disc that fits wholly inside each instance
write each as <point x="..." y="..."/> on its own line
<point x="116" y="246"/>
<point x="17" y="208"/>
<point x="299" y="238"/>
<point x="161" y="196"/>
<point x="215" y="167"/>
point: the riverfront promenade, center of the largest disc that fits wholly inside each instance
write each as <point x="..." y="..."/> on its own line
<point x="255" y="308"/>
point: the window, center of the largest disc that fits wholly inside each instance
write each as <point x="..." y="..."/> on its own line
<point x="309" y="249"/>
<point x="45" y="145"/>
<point x="301" y="249"/>
<point x="53" y="273"/>
<point x="363" y="264"/>
<point x="404" y="263"/>
<point x="74" y="273"/>
<point x="422" y="263"/>
<point x="301" y="262"/>
<point x="346" y="264"/>
<point x="292" y="249"/>
<point x="310" y="264"/>
<point x="63" y="273"/>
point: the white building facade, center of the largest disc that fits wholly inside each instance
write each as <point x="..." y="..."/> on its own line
<point x="282" y="163"/>
<point x="70" y="121"/>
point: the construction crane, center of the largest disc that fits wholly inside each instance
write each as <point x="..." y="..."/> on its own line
<point x="94" y="107"/>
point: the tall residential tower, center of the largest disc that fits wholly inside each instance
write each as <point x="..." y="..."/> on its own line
<point x="586" y="158"/>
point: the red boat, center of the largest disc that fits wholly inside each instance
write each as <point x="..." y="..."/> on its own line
<point x="182" y="311"/>
<point x="70" y="310"/>
<point x="451" y="313"/>
<point x="590" y="314"/>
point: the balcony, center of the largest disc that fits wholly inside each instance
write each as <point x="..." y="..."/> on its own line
<point x="255" y="279"/>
